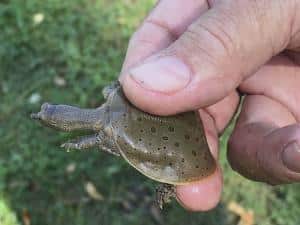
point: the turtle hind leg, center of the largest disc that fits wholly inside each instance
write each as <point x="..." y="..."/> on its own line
<point x="164" y="194"/>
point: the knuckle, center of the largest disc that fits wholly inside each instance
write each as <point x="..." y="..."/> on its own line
<point x="212" y="42"/>
<point x="213" y="32"/>
<point x="193" y="43"/>
<point x="152" y="32"/>
<point x="140" y="38"/>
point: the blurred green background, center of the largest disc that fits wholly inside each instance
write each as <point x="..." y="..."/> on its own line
<point x="65" y="52"/>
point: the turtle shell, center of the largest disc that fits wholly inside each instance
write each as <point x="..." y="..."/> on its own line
<point x="168" y="149"/>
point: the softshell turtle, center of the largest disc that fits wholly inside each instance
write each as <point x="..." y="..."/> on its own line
<point x="170" y="149"/>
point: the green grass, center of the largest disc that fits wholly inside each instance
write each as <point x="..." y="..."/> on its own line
<point x="84" y="43"/>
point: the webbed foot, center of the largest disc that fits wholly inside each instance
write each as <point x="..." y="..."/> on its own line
<point x="99" y="140"/>
<point x="164" y="194"/>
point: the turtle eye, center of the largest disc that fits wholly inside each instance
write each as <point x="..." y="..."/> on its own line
<point x="45" y="106"/>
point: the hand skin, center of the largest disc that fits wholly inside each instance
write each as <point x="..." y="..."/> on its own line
<point x="194" y="54"/>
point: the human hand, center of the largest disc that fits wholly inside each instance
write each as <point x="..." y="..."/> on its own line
<point x="194" y="54"/>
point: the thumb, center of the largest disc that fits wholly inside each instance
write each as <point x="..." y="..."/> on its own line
<point x="222" y="47"/>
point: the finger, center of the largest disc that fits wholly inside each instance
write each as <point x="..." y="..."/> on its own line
<point x="205" y="194"/>
<point x="264" y="144"/>
<point x="213" y="56"/>
<point x="223" y="111"/>
<point x="276" y="80"/>
<point x="279" y="79"/>
<point x="167" y="21"/>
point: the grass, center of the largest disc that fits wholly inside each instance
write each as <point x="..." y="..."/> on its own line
<point x="83" y="43"/>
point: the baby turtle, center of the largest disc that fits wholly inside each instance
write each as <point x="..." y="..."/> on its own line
<point x="170" y="149"/>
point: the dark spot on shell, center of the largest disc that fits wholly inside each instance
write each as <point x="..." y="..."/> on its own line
<point x="140" y="139"/>
<point x="125" y="126"/>
<point x="197" y="139"/>
<point x="194" y="153"/>
<point x="165" y="138"/>
<point x="142" y="131"/>
<point x="176" y="144"/>
<point x="150" y="144"/>
<point x="165" y="147"/>
<point x="124" y="114"/>
<point x="187" y="137"/>
<point x="139" y="119"/>
<point x="206" y="168"/>
<point x="171" y="129"/>
<point x="170" y="164"/>
<point x="182" y="160"/>
<point x="197" y="166"/>
<point x="158" y="148"/>
<point x="182" y="173"/>
<point x="153" y="129"/>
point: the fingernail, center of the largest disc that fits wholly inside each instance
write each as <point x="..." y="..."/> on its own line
<point x="166" y="74"/>
<point x="291" y="157"/>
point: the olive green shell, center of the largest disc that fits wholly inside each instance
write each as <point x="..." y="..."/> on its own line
<point x="170" y="149"/>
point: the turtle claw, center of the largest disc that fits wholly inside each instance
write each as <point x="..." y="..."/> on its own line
<point x="70" y="145"/>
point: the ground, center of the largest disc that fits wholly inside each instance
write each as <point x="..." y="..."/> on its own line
<point x="66" y="52"/>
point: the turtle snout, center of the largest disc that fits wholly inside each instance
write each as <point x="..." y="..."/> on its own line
<point x="35" y="116"/>
<point x="44" y="114"/>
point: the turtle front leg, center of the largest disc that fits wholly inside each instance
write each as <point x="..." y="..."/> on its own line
<point x="99" y="140"/>
<point x="164" y="194"/>
<point x="81" y="143"/>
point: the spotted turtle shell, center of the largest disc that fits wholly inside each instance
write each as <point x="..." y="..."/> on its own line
<point x="168" y="149"/>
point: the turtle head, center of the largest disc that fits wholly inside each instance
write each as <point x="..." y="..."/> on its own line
<point x="68" y="118"/>
<point x="55" y="116"/>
